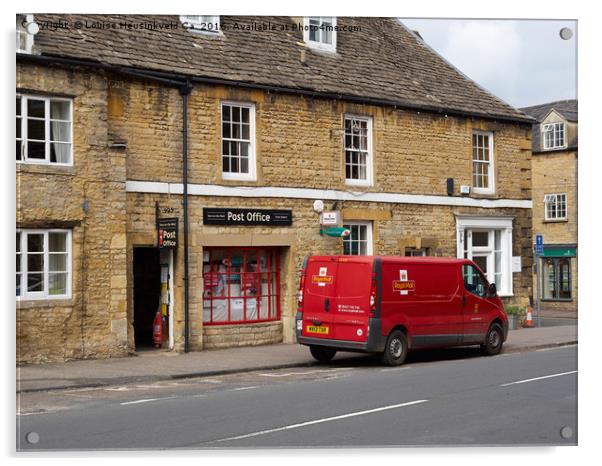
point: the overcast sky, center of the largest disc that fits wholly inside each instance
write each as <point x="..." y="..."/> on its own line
<point x="522" y="62"/>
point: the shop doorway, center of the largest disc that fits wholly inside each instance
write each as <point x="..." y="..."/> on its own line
<point x="147" y="294"/>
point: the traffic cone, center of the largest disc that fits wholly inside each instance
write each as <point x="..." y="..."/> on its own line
<point x="529" y="319"/>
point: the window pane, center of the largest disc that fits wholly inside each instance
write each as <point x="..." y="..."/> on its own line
<point x="59" y="110"/>
<point x="35" y="282"/>
<point x="225" y="164"/>
<point x="549" y="279"/>
<point x="236" y="114"/>
<point x="36" y="150"/>
<point x="245" y="132"/>
<point x="18" y="149"/>
<point x="480" y="238"/>
<point x="18" y="241"/>
<point x="18" y="106"/>
<point x="244" y="165"/>
<point x="481" y="261"/>
<point x="35" y="108"/>
<point x="60" y="152"/>
<point x="235" y="131"/>
<point x="225" y="113"/>
<point x="35" y="262"/>
<point x="245" y="115"/>
<point x="57" y="283"/>
<point x="226" y="130"/>
<point x="60" y="131"/>
<point x="36" y="129"/>
<point x="57" y="242"/>
<point x="35" y="242"/>
<point x="57" y="262"/>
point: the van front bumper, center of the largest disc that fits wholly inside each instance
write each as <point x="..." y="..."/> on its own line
<point x="374" y="344"/>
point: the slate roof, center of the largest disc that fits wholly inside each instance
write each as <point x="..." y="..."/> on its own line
<point x="567" y="108"/>
<point x="383" y="61"/>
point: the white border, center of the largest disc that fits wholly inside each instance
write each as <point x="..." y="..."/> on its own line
<point x="158" y="187"/>
<point x="369" y="181"/>
<point x="252" y="175"/>
<point x="491" y="171"/>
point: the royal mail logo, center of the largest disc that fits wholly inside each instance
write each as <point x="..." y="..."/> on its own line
<point x="321" y="279"/>
<point x="399" y="285"/>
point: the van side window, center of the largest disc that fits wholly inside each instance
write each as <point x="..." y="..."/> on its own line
<point x="474" y="282"/>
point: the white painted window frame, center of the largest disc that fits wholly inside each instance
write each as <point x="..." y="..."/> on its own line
<point x="554" y="128"/>
<point x="28" y="37"/>
<point x="484" y="223"/>
<point x="491" y="164"/>
<point x="364" y="223"/>
<point x="554" y="198"/>
<point x="43" y="295"/>
<point x="369" y="181"/>
<point x="252" y="175"/>
<point x="202" y="26"/>
<point x="319" y="45"/>
<point x="47" y="141"/>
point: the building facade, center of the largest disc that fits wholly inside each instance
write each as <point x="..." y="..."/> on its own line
<point x="147" y="183"/>
<point x="554" y="162"/>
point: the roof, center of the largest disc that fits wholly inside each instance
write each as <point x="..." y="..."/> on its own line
<point x="566" y="108"/>
<point x="381" y="60"/>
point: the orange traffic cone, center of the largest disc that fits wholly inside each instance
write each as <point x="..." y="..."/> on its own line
<point x="529" y="319"/>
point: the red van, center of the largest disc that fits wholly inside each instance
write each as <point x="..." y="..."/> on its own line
<point x="389" y="305"/>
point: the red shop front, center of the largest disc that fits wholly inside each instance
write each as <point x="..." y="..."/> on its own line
<point x="241" y="285"/>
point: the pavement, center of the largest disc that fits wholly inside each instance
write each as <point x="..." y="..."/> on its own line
<point x="151" y="366"/>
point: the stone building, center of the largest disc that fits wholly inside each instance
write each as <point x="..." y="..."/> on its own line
<point x="554" y="171"/>
<point x="172" y="164"/>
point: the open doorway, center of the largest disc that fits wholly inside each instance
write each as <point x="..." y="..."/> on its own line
<point x="147" y="294"/>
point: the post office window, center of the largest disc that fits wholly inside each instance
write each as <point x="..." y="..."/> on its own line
<point x="241" y="285"/>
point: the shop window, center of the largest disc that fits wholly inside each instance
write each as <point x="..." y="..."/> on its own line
<point x="43" y="264"/>
<point x="241" y="285"/>
<point x="556" y="278"/>
<point x="359" y="242"/>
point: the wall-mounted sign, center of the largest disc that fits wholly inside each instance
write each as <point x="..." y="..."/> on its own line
<point x="517" y="264"/>
<point x="329" y="218"/>
<point x="167" y="229"/>
<point x="227" y="216"/>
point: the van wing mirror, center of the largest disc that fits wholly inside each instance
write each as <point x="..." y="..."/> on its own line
<point x="492" y="290"/>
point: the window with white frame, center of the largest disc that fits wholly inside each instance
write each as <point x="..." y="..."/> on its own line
<point x="203" y="24"/>
<point x="319" y="32"/>
<point x="553" y="135"/>
<point x="44" y="130"/>
<point x="24" y="39"/>
<point x="482" y="162"/>
<point x="488" y="242"/>
<point x="43" y="264"/>
<point x="358" y="150"/>
<point x="555" y="206"/>
<point x="359" y="242"/>
<point x="416" y="252"/>
<point x="238" y="141"/>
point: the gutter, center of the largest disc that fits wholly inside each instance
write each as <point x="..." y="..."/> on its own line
<point x="170" y="78"/>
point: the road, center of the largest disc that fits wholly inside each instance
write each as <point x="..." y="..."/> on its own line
<point x="452" y="397"/>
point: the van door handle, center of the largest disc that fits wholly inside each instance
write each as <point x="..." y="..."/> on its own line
<point x="464" y="301"/>
<point x="327" y="304"/>
<point x="316" y="322"/>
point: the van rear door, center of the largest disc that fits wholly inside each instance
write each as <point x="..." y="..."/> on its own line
<point x="319" y="295"/>
<point x="351" y="312"/>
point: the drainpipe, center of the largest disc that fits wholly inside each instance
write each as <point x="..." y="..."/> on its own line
<point x="185" y="92"/>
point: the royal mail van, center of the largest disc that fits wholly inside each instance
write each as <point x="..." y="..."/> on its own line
<point x="390" y="305"/>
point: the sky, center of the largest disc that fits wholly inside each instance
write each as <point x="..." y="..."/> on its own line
<point x="522" y="62"/>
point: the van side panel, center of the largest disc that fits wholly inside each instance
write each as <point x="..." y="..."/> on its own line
<point x="425" y="299"/>
<point x="351" y="309"/>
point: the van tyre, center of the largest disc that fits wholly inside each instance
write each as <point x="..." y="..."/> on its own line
<point x="321" y="353"/>
<point x="494" y="340"/>
<point x="396" y="349"/>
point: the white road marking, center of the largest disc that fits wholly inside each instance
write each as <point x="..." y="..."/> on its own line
<point x="537" y="378"/>
<point x="244" y="388"/>
<point x="556" y="348"/>
<point x="395" y="369"/>
<point x="117" y="389"/>
<point x="146" y="400"/>
<point x="320" y="421"/>
<point x="286" y="374"/>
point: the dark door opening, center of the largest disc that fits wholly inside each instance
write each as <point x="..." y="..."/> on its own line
<point x="147" y="294"/>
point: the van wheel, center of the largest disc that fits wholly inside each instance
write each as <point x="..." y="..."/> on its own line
<point x="396" y="349"/>
<point x="493" y="340"/>
<point x="321" y="353"/>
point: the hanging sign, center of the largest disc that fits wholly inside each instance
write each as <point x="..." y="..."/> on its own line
<point x="168" y="233"/>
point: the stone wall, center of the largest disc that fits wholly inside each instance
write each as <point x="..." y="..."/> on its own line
<point x="92" y="323"/>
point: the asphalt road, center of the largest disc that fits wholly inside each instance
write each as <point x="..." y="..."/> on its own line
<point x="452" y="397"/>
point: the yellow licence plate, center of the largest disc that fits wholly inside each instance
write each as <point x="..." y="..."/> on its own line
<point x="315" y="329"/>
